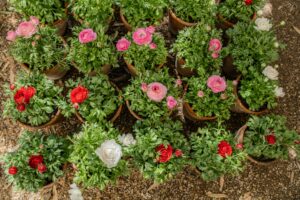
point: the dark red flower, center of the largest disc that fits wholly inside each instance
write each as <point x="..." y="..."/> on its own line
<point x="12" y="86"/>
<point x="42" y="168"/>
<point x="248" y="2"/>
<point x="224" y="149"/>
<point x="165" y="154"/>
<point x="178" y="153"/>
<point x="13" y="170"/>
<point x="79" y="94"/>
<point x="21" y="107"/>
<point x="35" y="160"/>
<point x="239" y="146"/>
<point x="23" y="95"/>
<point x="271" y="139"/>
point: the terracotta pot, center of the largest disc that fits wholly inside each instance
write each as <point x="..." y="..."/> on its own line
<point x="191" y="115"/>
<point x="228" y="69"/>
<point x="124" y="21"/>
<point x="61" y="26"/>
<point x="132" y="70"/>
<point x="104" y="70"/>
<point x="184" y="71"/>
<point x="239" y="106"/>
<point x="132" y="112"/>
<point x="224" y="24"/>
<point x="176" y="24"/>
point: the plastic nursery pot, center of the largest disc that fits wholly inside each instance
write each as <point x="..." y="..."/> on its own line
<point x="240" y="139"/>
<point x="240" y="107"/>
<point x="176" y="24"/>
<point x="184" y="71"/>
<point x="132" y="70"/>
<point x="105" y="69"/>
<point x="225" y="24"/>
<point x="228" y="69"/>
<point x="132" y="112"/>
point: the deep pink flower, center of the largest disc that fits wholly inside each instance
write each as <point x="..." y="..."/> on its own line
<point x="156" y="91"/>
<point x="144" y="87"/>
<point x="150" y="29"/>
<point x="26" y="29"/>
<point x="87" y="35"/>
<point x="11" y="35"/>
<point x="171" y="102"/>
<point x="123" y="44"/>
<point x="215" y="45"/>
<point x="200" y="94"/>
<point x="34" y="20"/>
<point x="142" y="37"/>
<point x="152" y="46"/>
<point x="216" y="84"/>
<point x="215" y="55"/>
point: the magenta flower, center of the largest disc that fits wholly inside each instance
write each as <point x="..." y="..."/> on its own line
<point x="150" y="29"/>
<point x="171" y="102"/>
<point x="156" y="91"/>
<point x="11" y="36"/>
<point x="142" y="37"/>
<point x="215" y="55"/>
<point x="86" y="36"/>
<point x="152" y="46"/>
<point x="216" y="84"/>
<point x="215" y="45"/>
<point x="34" y="20"/>
<point x="144" y="87"/>
<point x="200" y="94"/>
<point x="26" y="29"/>
<point x="123" y="44"/>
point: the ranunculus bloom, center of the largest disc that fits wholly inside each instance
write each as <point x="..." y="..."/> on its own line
<point x="79" y="94"/>
<point x="34" y="20"/>
<point x="110" y="153"/>
<point x="144" y="87"/>
<point x="76" y="106"/>
<point x="12" y="170"/>
<point x="271" y="73"/>
<point x="156" y="91"/>
<point x="263" y="24"/>
<point x="215" y="55"/>
<point x="215" y="45"/>
<point x="150" y="29"/>
<point x="142" y="37"/>
<point x="123" y="44"/>
<point x="178" y="153"/>
<point x="235" y="82"/>
<point x="216" y="84"/>
<point x="12" y="86"/>
<point x="23" y="95"/>
<point x="21" y="107"/>
<point x="271" y="139"/>
<point x="178" y="82"/>
<point x="127" y="139"/>
<point x="42" y="168"/>
<point x="152" y="46"/>
<point x="279" y="92"/>
<point x="11" y="35"/>
<point x="239" y="146"/>
<point x="87" y="35"/>
<point x="171" y="102"/>
<point x="35" y="160"/>
<point x="26" y="29"/>
<point x="224" y="149"/>
<point x="165" y="154"/>
<point x="248" y="2"/>
<point x="200" y="94"/>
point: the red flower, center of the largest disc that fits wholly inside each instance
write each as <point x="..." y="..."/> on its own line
<point x="35" y="160"/>
<point x="271" y="139"/>
<point x="248" y="2"/>
<point x="178" y="153"/>
<point x="165" y="153"/>
<point x="79" y="94"/>
<point x="42" y="168"/>
<point x="13" y="170"/>
<point x="224" y="149"/>
<point x="21" y="107"/>
<point x="23" y="95"/>
<point x="239" y="146"/>
<point x="12" y="86"/>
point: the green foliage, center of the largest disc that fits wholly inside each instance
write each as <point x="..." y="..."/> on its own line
<point x="94" y="55"/>
<point x="103" y="99"/>
<point x="42" y="106"/>
<point x="42" y="51"/>
<point x="91" y="171"/>
<point x="54" y="151"/>
<point x="192" y="45"/>
<point x="211" y="104"/>
<point x="149" y="135"/>
<point x="255" y="143"/>
<point x="47" y="11"/>
<point x="204" y="144"/>
<point x="139" y="101"/>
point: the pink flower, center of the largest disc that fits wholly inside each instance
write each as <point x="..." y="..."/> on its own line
<point x="216" y="84"/>
<point x="11" y="35"/>
<point x="152" y="45"/>
<point x="171" y="102"/>
<point x="215" y="55"/>
<point x="123" y="44"/>
<point x="178" y="82"/>
<point x="87" y="35"/>
<point x="235" y="82"/>
<point x="34" y="20"/>
<point x="141" y="36"/>
<point x="156" y="91"/>
<point x="200" y="94"/>
<point x="144" y="87"/>
<point x="215" y="45"/>
<point x="150" y="29"/>
<point x="26" y="29"/>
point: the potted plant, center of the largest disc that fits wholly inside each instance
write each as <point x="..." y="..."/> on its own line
<point x="183" y="13"/>
<point x="141" y="13"/>
<point x="91" y="51"/>
<point x="215" y="153"/>
<point x="161" y="151"/>
<point x="208" y="99"/>
<point x="142" y="50"/>
<point x="199" y="51"/>
<point x="53" y="13"/>
<point x="93" y="13"/>
<point x="92" y="99"/>
<point x="152" y="95"/>
<point x="32" y="101"/>
<point x="37" y="162"/>
<point x="39" y="48"/>
<point x="97" y="155"/>
<point x="267" y="138"/>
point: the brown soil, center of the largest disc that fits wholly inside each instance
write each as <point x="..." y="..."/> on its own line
<point x="278" y="181"/>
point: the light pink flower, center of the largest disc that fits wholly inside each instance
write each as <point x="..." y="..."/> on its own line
<point x="142" y="37"/>
<point x="235" y="82"/>
<point x="171" y="102"/>
<point x="26" y="29"/>
<point x="178" y="82"/>
<point x="87" y="35"/>
<point x="11" y="36"/>
<point x="215" y="45"/>
<point x="216" y="84"/>
<point x="200" y="94"/>
<point x="156" y="91"/>
<point x="34" y="20"/>
<point x="123" y="44"/>
<point x="150" y="29"/>
<point x="144" y="87"/>
<point x="152" y="46"/>
<point x="215" y="55"/>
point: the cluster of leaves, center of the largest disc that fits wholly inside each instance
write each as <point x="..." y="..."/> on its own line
<point x="94" y="13"/>
<point x="54" y="151"/>
<point x="139" y="101"/>
<point x="103" y="98"/>
<point x="149" y="135"/>
<point x="141" y="13"/>
<point x="40" y="52"/>
<point x="250" y="48"/>
<point x="42" y="106"/>
<point x="91" y="171"/>
<point x="211" y="104"/>
<point x="204" y="144"/>
<point x="255" y="143"/>
<point x="47" y="11"/>
<point x="192" y="46"/>
<point x="237" y="10"/>
<point x="94" y="55"/>
<point x="188" y="10"/>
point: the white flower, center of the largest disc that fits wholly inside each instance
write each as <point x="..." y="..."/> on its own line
<point x="75" y="193"/>
<point x="276" y="66"/>
<point x="271" y="73"/>
<point x="279" y="92"/>
<point x="260" y="13"/>
<point x="276" y="44"/>
<point x="110" y="153"/>
<point x="282" y="23"/>
<point x="263" y="24"/>
<point x="127" y="139"/>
